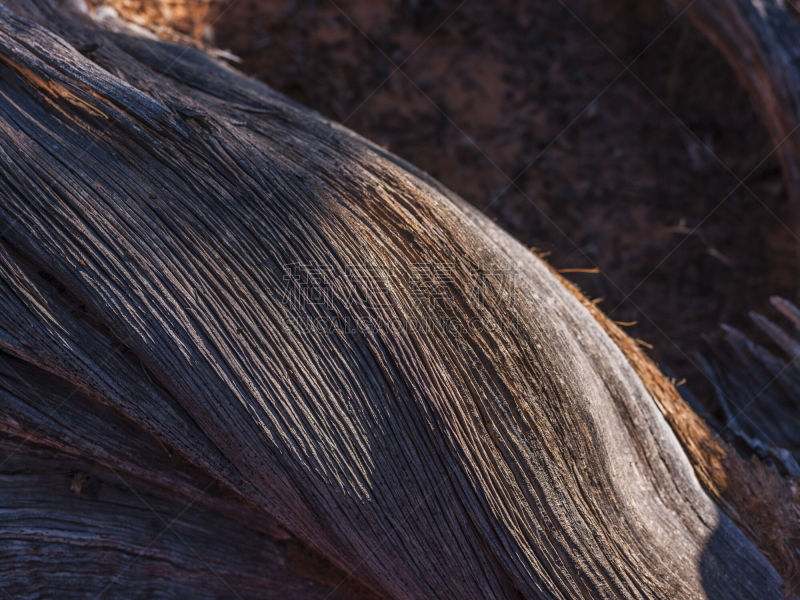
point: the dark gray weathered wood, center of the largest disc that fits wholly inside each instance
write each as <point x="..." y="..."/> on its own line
<point x="159" y="215"/>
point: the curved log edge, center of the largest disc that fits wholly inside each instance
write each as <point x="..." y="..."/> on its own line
<point x="761" y="41"/>
<point x="765" y="505"/>
<point x="155" y="209"/>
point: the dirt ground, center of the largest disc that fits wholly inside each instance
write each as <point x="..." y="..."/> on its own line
<point x="527" y="110"/>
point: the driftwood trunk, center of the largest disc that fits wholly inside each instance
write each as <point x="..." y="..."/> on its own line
<point x="246" y="353"/>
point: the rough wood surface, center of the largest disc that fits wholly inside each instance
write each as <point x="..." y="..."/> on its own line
<point x="758" y="384"/>
<point x="159" y="214"/>
<point x="763" y="502"/>
<point x="761" y="40"/>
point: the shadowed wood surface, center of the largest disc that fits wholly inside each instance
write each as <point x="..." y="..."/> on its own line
<point x="757" y="385"/>
<point x="761" y="41"/>
<point x="161" y="217"/>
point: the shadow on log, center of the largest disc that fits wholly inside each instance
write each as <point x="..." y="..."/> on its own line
<point x="247" y="353"/>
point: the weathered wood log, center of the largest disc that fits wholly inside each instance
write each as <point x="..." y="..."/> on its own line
<point x="759" y="388"/>
<point x="245" y="352"/>
<point x="761" y="41"/>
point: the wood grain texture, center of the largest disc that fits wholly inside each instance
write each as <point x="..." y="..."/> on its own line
<point x="158" y="210"/>
<point x="764" y="501"/>
<point x="757" y="384"/>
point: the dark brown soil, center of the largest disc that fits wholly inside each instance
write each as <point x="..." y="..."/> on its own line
<point x="526" y="110"/>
